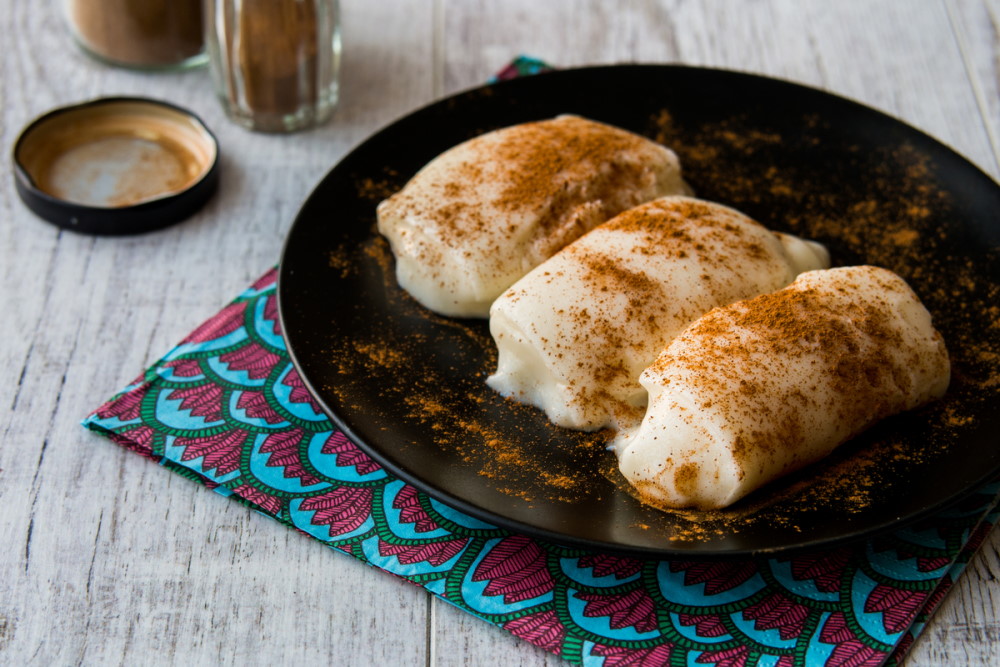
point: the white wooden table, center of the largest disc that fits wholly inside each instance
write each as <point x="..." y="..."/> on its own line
<point x="92" y="574"/>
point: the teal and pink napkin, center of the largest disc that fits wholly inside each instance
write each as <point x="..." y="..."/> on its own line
<point x="227" y="409"/>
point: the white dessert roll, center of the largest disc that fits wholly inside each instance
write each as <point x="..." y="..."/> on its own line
<point x="575" y="333"/>
<point x="759" y="388"/>
<point x="484" y="213"/>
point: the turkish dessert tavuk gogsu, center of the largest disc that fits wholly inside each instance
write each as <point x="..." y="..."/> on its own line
<point x="485" y="212"/>
<point x="759" y="388"/>
<point x="574" y="334"/>
<point x="723" y="355"/>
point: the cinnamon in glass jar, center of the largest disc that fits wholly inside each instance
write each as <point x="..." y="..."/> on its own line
<point x="143" y="34"/>
<point x="275" y="63"/>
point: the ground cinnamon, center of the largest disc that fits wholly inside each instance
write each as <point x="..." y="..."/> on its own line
<point x="139" y="33"/>
<point x="276" y="61"/>
<point x="277" y="48"/>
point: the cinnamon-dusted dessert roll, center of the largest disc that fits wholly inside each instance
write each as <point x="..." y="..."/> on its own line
<point x="575" y="333"/>
<point x="754" y="390"/>
<point x="487" y="211"/>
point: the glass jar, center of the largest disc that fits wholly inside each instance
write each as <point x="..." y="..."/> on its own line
<point x="142" y="34"/>
<point x="275" y="63"/>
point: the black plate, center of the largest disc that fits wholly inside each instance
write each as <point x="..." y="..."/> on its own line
<point x="408" y="386"/>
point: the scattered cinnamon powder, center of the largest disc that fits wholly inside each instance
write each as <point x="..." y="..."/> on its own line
<point x="458" y="413"/>
<point x="340" y="259"/>
<point x="382" y="355"/>
<point x="904" y="237"/>
<point x="376" y="250"/>
<point x="376" y="190"/>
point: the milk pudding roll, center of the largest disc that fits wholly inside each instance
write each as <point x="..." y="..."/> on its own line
<point x="575" y="333"/>
<point x="759" y="388"/>
<point x="484" y="213"/>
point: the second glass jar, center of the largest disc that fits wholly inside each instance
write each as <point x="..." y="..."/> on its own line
<point x="275" y="63"/>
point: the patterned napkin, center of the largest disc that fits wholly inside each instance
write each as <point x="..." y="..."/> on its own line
<point x="227" y="409"/>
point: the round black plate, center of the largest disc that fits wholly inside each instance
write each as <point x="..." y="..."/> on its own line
<point x="408" y="386"/>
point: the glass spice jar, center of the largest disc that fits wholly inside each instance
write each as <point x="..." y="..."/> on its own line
<point x="275" y="63"/>
<point x="142" y="34"/>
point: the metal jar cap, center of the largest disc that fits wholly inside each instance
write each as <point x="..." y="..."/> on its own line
<point x="117" y="165"/>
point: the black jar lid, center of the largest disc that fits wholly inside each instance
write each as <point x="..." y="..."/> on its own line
<point x="115" y="166"/>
